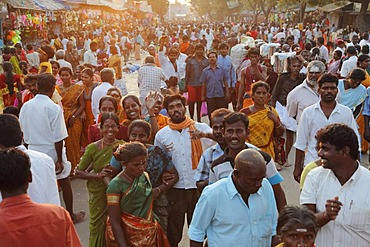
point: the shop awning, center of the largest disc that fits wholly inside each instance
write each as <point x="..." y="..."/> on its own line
<point x="332" y="7"/>
<point x="95" y="4"/>
<point x="23" y="4"/>
<point x="49" y="5"/>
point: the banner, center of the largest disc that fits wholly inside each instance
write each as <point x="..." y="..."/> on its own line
<point x="232" y="4"/>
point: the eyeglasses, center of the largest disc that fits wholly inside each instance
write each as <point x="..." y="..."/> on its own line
<point x="107" y="127"/>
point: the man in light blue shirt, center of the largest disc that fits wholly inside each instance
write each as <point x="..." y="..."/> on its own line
<point x="224" y="60"/>
<point x="239" y="210"/>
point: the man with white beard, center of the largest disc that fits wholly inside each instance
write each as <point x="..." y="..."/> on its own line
<point x="305" y="94"/>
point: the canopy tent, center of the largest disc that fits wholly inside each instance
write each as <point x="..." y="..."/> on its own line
<point x="334" y="7"/>
<point x="43" y="5"/>
<point x="23" y="4"/>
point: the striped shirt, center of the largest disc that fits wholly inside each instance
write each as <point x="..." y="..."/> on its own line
<point x="352" y="225"/>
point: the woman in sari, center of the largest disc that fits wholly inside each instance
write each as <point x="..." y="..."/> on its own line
<point x="78" y="73"/>
<point x="106" y="104"/>
<point x="117" y="95"/>
<point x="87" y="76"/>
<point x="92" y="168"/>
<point x="352" y="93"/>
<point x="14" y="60"/>
<point x="130" y="202"/>
<point x="363" y="62"/>
<point x="156" y="99"/>
<point x="158" y="163"/>
<point x="264" y="122"/>
<point x="132" y="108"/>
<point x="46" y="52"/>
<point x="55" y="66"/>
<point x="10" y="85"/>
<point x="114" y="62"/>
<point x="73" y="106"/>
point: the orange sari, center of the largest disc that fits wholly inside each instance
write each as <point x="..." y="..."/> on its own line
<point x="70" y="106"/>
<point x="90" y="120"/>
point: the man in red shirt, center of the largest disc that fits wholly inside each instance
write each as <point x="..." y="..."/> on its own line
<point x="23" y="222"/>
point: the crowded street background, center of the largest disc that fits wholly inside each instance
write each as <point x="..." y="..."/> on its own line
<point x="185" y="123"/>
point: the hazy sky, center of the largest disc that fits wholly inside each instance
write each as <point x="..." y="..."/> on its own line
<point x="180" y="1"/>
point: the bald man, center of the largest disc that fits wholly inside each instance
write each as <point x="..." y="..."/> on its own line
<point x="239" y="210"/>
<point x="152" y="52"/>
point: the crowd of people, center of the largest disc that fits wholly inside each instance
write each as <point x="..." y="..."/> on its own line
<point x="219" y="109"/>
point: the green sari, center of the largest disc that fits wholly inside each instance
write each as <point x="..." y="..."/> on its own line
<point x="98" y="159"/>
<point x="136" y="202"/>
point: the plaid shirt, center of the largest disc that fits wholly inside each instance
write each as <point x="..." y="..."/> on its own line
<point x="205" y="162"/>
<point x="150" y="78"/>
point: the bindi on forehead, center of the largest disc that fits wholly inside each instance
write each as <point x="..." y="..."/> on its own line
<point x="301" y="230"/>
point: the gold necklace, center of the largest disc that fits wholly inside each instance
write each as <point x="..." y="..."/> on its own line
<point x="130" y="179"/>
<point x="66" y="88"/>
<point x="107" y="144"/>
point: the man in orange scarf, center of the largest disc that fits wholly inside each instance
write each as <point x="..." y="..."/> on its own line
<point x="186" y="47"/>
<point x="180" y="140"/>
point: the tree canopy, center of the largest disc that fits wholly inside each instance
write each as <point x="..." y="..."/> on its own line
<point x="159" y="7"/>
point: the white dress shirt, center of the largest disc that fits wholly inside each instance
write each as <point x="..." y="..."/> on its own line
<point x="97" y="94"/>
<point x="352" y="225"/>
<point x="348" y="66"/>
<point x="43" y="188"/>
<point x="299" y="99"/>
<point x="91" y="57"/>
<point x="87" y="43"/>
<point x="168" y="68"/>
<point x="43" y="125"/>
<point x="324" y="53"/>
<point x="33" y="60"/>
<point x="313" y="119"/>
<point x="64" y="63"/>
<point x="178" y="146"/>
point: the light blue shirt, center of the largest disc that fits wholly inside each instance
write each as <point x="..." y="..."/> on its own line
<point x="225" y="62"/>
<point x="226" y="220"/>
<point x="214" y="80"/>
<point x="366" y="110"/>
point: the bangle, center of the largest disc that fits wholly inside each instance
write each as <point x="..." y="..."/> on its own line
<point x="278" y="126"/>
<point x="151" y="116"/>
<point x="159" y="190"/>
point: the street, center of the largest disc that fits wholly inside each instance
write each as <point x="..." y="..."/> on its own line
<point x="291" y="187"/>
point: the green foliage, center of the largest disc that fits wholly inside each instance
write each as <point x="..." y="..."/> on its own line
<point x="159" y="7"/>
<point x="214" y="9"/>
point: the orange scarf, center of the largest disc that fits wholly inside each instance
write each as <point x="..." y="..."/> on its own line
<point x="196" y="144"/>
<point x="184" y="47"/>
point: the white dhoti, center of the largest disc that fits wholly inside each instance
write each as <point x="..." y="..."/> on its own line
<point x="289" y="122"/>
<point x="50" y="150"/>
